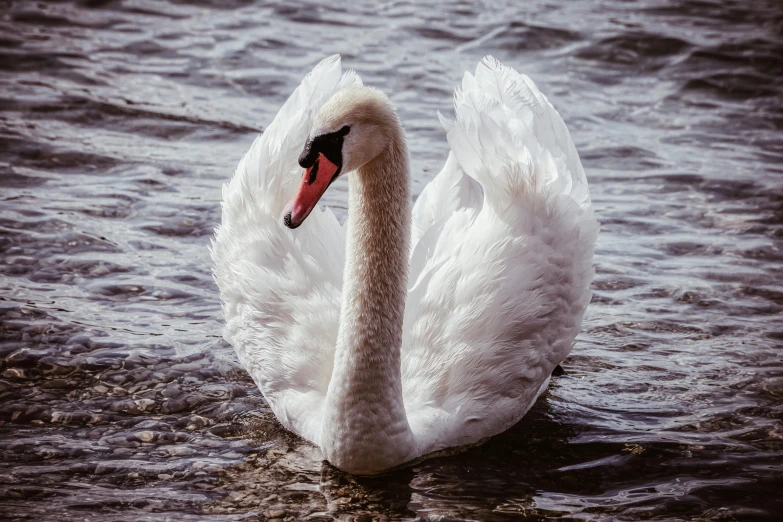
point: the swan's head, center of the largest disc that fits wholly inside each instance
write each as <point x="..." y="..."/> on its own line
<point x="352" y="128"/>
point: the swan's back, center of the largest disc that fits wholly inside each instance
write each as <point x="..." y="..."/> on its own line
<point x="498" y="285"/>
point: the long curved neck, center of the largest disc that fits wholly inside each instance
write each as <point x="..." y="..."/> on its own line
<point x="365" y="426"/>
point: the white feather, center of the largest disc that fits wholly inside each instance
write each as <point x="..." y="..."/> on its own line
<point x="501" y="263"/>
<point x="281" y="290"/>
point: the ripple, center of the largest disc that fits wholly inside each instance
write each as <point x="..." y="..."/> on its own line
<point x="183" y="226"/>
<point x="39" y="155"/>
<point x="520" y="36"/>
<point x="641" y="52"/>
<point x="9" y="178"/>
<point x="734" y="86"/>
<point x="118" y="398"/>
<point x="622" y="158"/>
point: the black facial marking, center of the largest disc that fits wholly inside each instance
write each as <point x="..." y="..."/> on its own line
<point x="330" y="145"/>
<point x="308" y="155"/>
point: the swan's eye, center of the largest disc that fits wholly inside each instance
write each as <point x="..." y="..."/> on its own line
<point x="345" y="130"/>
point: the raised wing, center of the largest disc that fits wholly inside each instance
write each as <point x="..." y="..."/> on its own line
<point x="281" y="290"/>
<point x="451" y="190"/>
<point x="502" y="286"/>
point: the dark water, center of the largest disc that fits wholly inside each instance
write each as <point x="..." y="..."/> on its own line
<point x="120" y="122"/>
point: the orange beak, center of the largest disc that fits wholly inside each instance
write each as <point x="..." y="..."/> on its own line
<point x="315" y="181"/>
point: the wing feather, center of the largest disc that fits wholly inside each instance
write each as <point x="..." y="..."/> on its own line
<point x="281" y="291"/>
<point x="502" y="285"/>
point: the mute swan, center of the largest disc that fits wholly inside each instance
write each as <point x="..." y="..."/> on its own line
<point x="406" y="331"/>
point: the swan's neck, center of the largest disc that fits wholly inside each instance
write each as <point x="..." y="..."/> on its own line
<point x="365" y="427"/>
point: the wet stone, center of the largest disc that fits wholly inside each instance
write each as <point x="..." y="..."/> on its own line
<point x="171" y="390"/>
<point x="79" y="339"/>
<point x="145" y="436"/>
<point x="24" y="358"/>
<point x="180" y="451"/>
<point x="58" y="383"/>
<point x="14" y="373"/>
<point x="122" y="442"/>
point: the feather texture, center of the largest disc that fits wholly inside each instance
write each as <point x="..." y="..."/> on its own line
<point x="500" y="268"/>
<point x="504" y="284"/>
<point x="280" y="289"/>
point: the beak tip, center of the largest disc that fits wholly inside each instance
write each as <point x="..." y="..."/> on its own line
<point x="287" y="221"/>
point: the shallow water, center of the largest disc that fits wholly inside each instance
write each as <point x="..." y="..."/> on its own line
<point x="120" y="121"/>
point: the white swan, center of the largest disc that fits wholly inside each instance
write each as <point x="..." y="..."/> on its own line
<point x="392" y="338"/>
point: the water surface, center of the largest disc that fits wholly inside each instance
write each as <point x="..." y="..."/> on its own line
<point x="120" y="121"/>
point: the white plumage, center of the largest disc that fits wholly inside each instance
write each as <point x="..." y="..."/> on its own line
<point x="500" y="264"/>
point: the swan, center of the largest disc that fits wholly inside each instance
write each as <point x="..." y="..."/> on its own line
<point x="407" y="331"/>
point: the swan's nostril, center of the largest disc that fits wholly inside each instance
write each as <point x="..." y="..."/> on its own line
<point x="313" y="173"/>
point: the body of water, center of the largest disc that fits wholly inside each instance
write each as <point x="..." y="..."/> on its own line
<point x="119" y="122"/>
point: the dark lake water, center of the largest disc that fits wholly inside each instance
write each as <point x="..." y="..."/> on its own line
<point x="119" y="121"/>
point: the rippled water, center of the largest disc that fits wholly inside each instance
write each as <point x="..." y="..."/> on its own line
<point x="121" y="120"/>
